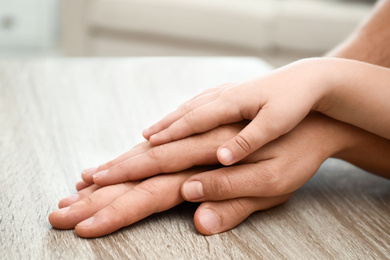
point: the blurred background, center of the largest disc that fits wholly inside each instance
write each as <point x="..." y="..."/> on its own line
<point x="278" y="31"/>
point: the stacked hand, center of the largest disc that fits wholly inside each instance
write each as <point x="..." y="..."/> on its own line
<point x="346" y="90"/>
<point x="159" y="174"/>
<point x="266" y="178"/>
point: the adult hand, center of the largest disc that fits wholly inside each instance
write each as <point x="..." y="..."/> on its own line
<point x="263" y="180"/>
<point x="97" y="211"/>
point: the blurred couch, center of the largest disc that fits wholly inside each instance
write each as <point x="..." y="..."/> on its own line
<point x="206" y="27"/>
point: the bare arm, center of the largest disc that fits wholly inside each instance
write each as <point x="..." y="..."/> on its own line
<point x="371" y="40"/>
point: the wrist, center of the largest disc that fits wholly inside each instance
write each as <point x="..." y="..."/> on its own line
<point x="320" y="78"/>
<point x="329" y="74"/>
<point x="333" y="136"/>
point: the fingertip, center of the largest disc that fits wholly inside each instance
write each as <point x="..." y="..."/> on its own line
<point x="52" y="219"/>
<point x="207" y="221"/>
<point x="147" y="133"/>
<point x="56" y="219"/>
<point x="153" y="139"/>
<point x="89" y="171"/>
<point x="82" y="185"/>
<point x="158" y="139"/>
<point x="97" y="226"/>
<point x="102" y="178"/>
<point x="85" y="228"/>
<point x="68" y="200"/>
<point x="192" y="191"/>
<point x="86" y="174"/>
<point x="225" y="156"/>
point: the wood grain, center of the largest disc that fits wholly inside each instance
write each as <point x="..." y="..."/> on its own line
<point x="60" y="116"/>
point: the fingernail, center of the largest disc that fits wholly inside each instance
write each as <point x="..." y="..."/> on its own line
<point x="225" y="155"/>
<point x="193" y="190"/>
<point x="100" y="174"/>
<point x="86" y="222"/>
<point x="73" y="198"/>
<point x="89" y="171"/>
<point x="210" y="220"/>
<point x="147" y="131"/>
<point x="153" y="138"/>
<point x="63" y="210"/>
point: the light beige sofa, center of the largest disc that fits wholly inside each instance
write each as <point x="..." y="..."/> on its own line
<point x="205" y="27"/>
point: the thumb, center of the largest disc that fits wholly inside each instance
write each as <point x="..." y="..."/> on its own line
<point x="265" y="127"/>
<point x="218" y="216"/>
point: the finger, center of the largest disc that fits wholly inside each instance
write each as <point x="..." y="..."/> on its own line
<point x="198" y="120"/>
<point x="88" y="172"/>
<point x="138" y="149"/>
<point x="216" y="217"/>
<point x="204" y="98"/>
<point x="82" y="185"/>
<point x="171" y="157"/>
<point x="269" y="124"/>
<point x="68" y="217"/>
<point x="262" y="179"/>
<point x="151" y="196"/>
<point x="65" y="202"/>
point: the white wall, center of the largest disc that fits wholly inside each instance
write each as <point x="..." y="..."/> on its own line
<point x="28" y="25"/>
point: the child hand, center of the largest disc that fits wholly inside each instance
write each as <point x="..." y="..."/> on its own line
<point x="275" y="103"/>
<point x="349" y="91"/>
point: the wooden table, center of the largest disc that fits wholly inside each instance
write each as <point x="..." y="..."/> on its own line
<point x="60" y="116"/>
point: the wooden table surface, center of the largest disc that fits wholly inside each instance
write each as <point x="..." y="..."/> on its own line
<point x="60" y="116"/>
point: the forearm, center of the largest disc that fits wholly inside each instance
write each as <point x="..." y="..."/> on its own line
<point x="356" y="93"/>
<point x="370" y="42"/>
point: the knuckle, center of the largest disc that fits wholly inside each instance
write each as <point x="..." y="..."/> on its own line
<point x="222" y="187"/>
<point x="273" y="181"/>
<point x="114" y="207"/>
<point x="238" y="208"/>
<point x="147" y="189"/>
<point x="150" y="192"/>
<point x="157" y="154"/>
<point x="185" y="106"/>
<point x="118" y="212"/>
<point x="120" y="167"/>
<point x="190" y="121"/>
<point x="244" y="143"/>
<point x="247" y="112"/>
<point x="88" y="202"/>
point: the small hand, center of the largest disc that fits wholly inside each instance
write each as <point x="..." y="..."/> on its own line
<point x="275" y="103"/>
<point x="349" y="91"/>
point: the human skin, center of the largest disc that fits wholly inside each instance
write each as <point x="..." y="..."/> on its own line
<point x="350" y="91"/>
<point x="369" y="43"/>
<point x="372" y="150"/>
<point x="272" y="174"/>
<point x="371" y="40"/>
